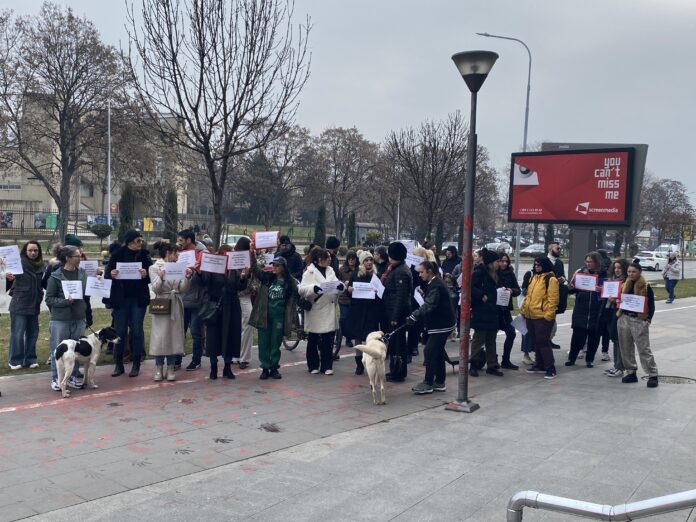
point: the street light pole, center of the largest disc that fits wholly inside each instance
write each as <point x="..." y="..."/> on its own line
<point x="108" y="166"/>
<point x="474" y="67"/>
<point x="518" y="229"/>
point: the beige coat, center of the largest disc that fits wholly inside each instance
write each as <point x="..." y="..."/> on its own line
<point x="167" y="333"/>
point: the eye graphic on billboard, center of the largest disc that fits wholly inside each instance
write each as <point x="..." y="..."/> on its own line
<point x="574" y="187"/>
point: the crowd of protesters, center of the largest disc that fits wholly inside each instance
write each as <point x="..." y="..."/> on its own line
<point x="414" y="303"/>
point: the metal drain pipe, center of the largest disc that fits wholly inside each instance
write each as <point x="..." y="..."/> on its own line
<point x="579" y="508"/>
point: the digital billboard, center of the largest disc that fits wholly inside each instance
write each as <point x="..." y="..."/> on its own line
<point x="572" y="186"/>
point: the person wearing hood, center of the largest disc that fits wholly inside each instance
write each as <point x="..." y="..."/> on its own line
<point x="671" y="274"/>
<point x="381" y="260"/>
<point x="274" y="314"/>
<point x="539" y="310"/>
<point x="25" y="306"/>
<point x="398" y="290"/>
<point x="129" y="299"/>
<point x="484" y="315"/>
<point x="451" y="261"/>
<point x="587" y="312"/>
<point x="294" y="261"/>
<point x="68" y="314"/>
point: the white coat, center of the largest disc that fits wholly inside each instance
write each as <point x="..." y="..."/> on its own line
<point x="672" y="270"/>
<point x="322" y="318"/>
<point x="167" y="333"/>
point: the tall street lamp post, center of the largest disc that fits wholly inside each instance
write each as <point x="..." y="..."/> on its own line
<point x="518" y="229"/>
<point x="474" y="67"/>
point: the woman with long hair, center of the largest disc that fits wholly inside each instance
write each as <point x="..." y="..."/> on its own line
<point x="619" y="273"/>
<point x="347" y="269"/>
<point x="364" y="313"/>
<point x="507" y="280"/>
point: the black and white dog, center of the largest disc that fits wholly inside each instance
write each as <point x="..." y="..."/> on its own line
<point x="86" y="350"/>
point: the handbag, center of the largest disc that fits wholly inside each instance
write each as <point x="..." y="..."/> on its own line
<point x="209" y="310"/>
<point x="304" y="304"/>
<point x="161" y="306"/>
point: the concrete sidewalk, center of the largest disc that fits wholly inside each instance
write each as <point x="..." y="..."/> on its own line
<point x="312" y="447"/>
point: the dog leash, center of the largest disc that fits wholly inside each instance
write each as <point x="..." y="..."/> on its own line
<point x="386" y="337"/>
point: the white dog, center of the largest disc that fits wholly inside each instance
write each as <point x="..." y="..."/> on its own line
<point x="86" y="350"/>
<point x="374" y="354"/>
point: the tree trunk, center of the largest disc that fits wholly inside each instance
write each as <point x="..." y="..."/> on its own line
<point x="64" y="203"/>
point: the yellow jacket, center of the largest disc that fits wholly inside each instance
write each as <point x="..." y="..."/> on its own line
<point x="540" y="303"/>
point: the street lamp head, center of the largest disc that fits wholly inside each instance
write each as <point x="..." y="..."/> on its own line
<point x="474" y="67"/>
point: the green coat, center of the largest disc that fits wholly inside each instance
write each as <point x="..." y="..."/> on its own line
<point x="61" y="310"/>
<point x="259" y="313"/>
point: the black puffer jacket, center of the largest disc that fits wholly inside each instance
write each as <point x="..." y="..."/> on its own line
<point x="398" y="288"/>
<point x="294" y="261"/>
<point x="484" y="315"/>
<point x="507" y="279"/>
<point x="437" y="309"/>
<point x="588" y="305"/>
<point x="122" y="289"/>
<point x="26" y="289"/>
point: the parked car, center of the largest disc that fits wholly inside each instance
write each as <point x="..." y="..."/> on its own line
<point x="501" y="247"/>
<point x="533" y="250"/>
<point x="447" y="244"/>
<point x="231" y="239"/>
<point x="651" y="260"/>
<point x="666" y="248"/>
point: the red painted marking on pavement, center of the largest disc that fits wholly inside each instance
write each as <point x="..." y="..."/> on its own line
<point x="199" y="422"/>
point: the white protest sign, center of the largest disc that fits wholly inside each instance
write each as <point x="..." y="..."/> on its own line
<point x="520" y="324"/>
<point x="266" y="239"/>
<point x="188" y="257"/>
<point x="418" y="297"/>
<point x="72" y="289"/>
<point x="363" y="291"/>
<point x="413" y="261"/>
<point x="503" y="298"/>
<point x="269" y="259"/>
<point x="408" y="243"/>
<point x="10" y="260"/>
<point x="174" y="271"/>
<point x="611" y="289"/>
<point x="377" y="284"/>
<point x="238" y="260"/>
<point x="216" y="264"/>
<point x="587" y="282"/>
<point x="90" y="267"/>
<point x="633" y="303"/>
<point x="98" y="287"/>
<point x="330" y="287"/>
<point x="129" y="270"/>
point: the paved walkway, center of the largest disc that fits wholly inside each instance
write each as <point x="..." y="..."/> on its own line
<point x="312" y="447"/>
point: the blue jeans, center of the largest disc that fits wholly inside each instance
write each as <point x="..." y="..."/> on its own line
<point x="159" y="360"/>
<point x="129" y="314"/>
<point x="191" y="319"/>
<point x="60" y="331"/>
<point x="669" y="286"/>
<point x="24" y="332"/>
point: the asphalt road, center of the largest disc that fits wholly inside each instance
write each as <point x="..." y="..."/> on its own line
<point x="689" y="269"/>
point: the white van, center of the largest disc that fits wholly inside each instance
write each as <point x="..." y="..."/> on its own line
<point x="667" y="248"/>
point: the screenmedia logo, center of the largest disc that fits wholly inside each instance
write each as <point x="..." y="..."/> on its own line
<point x="583" y="208"/>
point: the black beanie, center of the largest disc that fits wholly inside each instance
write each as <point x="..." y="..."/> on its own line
<point x="489" y="256"/>
<point x="332" y="242"/>
<point x="545" y="262"/>
<point x="397" y="251"/>
<point x="72" y="240"/>
<point x="130" y="236"/>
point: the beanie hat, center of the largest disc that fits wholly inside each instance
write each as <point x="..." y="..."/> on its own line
<point x="397" y="251"/>
<point x="72" y="240"/>
<point x="280" y="261"/>
<point x="363" y="255"/>
<point x="332" y="242"/>
<point x="489" y="256"/>
<point x="284" y="240"/>
<point x="545" y="262"/>
<point x="131" y="236"/>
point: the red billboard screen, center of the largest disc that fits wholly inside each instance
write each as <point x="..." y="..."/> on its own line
<point x="574" y="187"/>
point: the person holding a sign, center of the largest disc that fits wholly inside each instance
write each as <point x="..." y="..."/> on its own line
<point x="484" y="315"/>
<point x="224" y="328"/>
<point x="586" y="284"/>
<point x="438" y="314"/>
<point x="129" y="299"/>
<point x="68" y="313"/>
<point x="167" y="333"/>
<point x="620" y="270"/>
<point x="193" y="297"/>
<point x="364" y="313"/>
<point x="635" y="315"/>
<point x="347" y="269"/>
<point x="507" y="281"/>
<point x="25" y="305"/>
<point x="320" y="321"/>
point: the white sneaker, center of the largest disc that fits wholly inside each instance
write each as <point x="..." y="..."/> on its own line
<point x="605" y="356"/>
<point x="15" y="366"/>
<point x="54" y="386"/>
<point x="34" y="366"/>
<point x="527" y="359"/>
<point x="328" y="372"/>
<point x="314" y="372"/>
<point x="616" y="373"/>
<point x="74" y="383"/>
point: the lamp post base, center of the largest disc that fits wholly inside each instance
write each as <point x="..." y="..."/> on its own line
<point x="462" y="407"/>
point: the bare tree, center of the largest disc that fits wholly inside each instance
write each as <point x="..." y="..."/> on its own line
<point x="429" y="163"/>
<point x="668" y="206"/>
<point x="55" y="77"/>
<point x="230" y="73"/>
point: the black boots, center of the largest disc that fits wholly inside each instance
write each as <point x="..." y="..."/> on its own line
<point x="135" y="369"/>
<point x="359" y="368"/>
<point x="118" y="369"/>
<point x="213" y="370"/>
<point x="507" y="365"/>
<point x="227" y="371"/>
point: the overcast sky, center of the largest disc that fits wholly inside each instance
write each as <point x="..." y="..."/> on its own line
<point x="602" y="71"/>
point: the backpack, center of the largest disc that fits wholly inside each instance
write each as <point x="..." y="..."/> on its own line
<point x="562" y="294"/>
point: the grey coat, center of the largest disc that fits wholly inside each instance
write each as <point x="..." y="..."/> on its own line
<point x="26" y="290"/>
